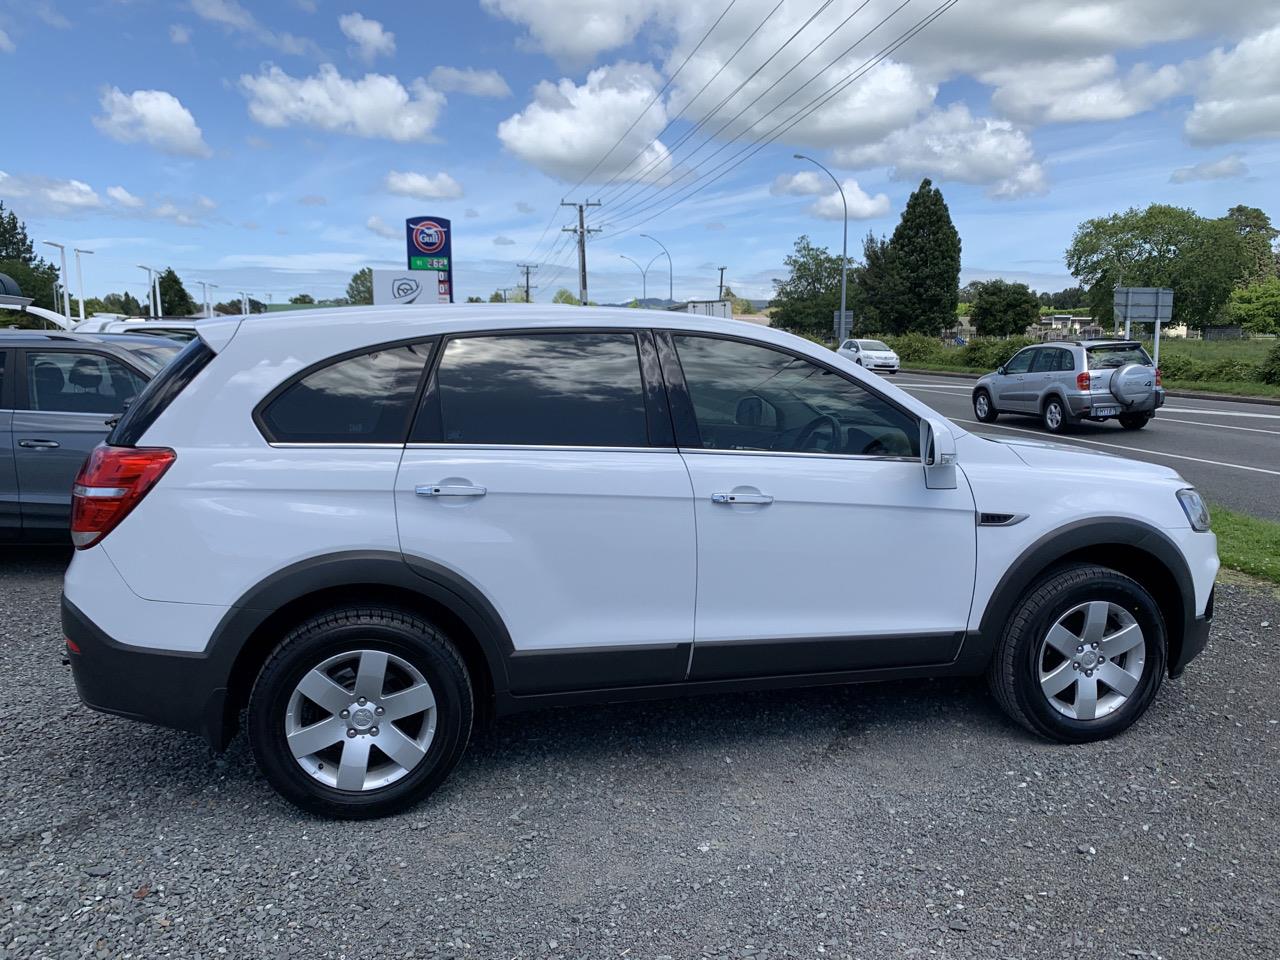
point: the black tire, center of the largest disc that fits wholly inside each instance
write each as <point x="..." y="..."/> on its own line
<point x="1014" y="672"/>
<point x="1134" y="421"/>
<point x="1054" y="416"/>
<point x="397" y="632"/>
<point x="991" y="414"/>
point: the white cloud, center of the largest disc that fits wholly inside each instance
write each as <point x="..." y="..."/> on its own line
<point x="574" y="31"/>
<point x="952" y="144"/>
<point x="476" y="83"/>
<point x="471" y="213"/>
<point x="1226" y="168"/>
<point x="379" y="226"/>
<point x="502" y="241"/>
<point x="6" y="45"/>
<point x="313" y="200"/>
<point x="126" y="199"/>
<point x="151" y="116"/>
<point x="1239" y="98"/>
<point x="375" y="106"/>
<point x="171" y="211"/>
<point x="828" y="206"/>
<point x="422" y="186"/>
<point x="522" y="207"/>
<point x="205" y="203"/>
<point x="1070" y="91"/>
<point x="568" y="127"/>
<point x="179" y="34"/>
<point x="48" y="195"/>
<point x="370" y="38"/>
<point x="236" y="19"/>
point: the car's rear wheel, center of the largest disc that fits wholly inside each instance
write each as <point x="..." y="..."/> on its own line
<point x="1082" y="656"/>
<point x="1134" y="421"/>
<point x="983" y="408"/>
<point x="360" y="712"/>
<point x="1054" y="416"/>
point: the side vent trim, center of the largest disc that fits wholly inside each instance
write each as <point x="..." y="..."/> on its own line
<point x="1000" y="519"/>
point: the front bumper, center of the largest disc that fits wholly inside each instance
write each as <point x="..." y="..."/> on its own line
<point x="1195" y="635"/>
<point x="170" y="688"/>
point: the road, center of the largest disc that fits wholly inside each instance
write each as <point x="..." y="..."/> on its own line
<point x="1229" y="450"/>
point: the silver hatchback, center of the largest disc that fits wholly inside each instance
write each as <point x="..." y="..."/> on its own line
<point x="1072" y="381"/>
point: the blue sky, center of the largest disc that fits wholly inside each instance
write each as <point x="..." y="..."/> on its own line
<point x="278" y="147"/>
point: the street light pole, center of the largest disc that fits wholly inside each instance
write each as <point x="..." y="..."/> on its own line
<point x="670" y="267"/>
<point x="151" y="289"/>
<point x="644" y="277"/>
<point x="844" y="250"/>
<point x="80" y="278"/>
<point x="66" y="296"/>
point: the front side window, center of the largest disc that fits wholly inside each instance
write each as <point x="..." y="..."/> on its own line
<point x="750" y="397"/>
<point x="549" y="389"/>
<point x="67" y="382"/>
<point x="1021" y="362"/>
<point x="367" y="398"/>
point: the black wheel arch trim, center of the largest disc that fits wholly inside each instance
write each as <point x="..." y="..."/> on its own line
<point x="1061" y="544"/>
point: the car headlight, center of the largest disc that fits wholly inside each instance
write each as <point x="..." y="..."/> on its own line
<point x="1193" y="506"/>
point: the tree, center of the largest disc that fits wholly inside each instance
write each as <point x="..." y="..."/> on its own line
<point x="497" y="297"/>
<point x="1072" y="298"/>
<point x="1256" y="307"/>
<point x="1162" y="246"/>
<point x="475" y="299"/>
<point x="1003" y="309"/>
<point x="302" y="298"/>
<point x="125" y="303"/>
<point x="360" y="287"/>
<point x="14" y="242"/>
<point x="810" y="295"/>
<point x="173" y="295"/>
<point x="739" y="304"/>
<point x="1255" y="229"/>
<point x="35" y="280"/>
<point x="564" y="296"/>
<point x="926" y="263"/>
<point x="881" y="288"/>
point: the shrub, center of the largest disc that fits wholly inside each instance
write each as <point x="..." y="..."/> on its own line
<point x="987" y="353"/>
<point x="1231" y="370"/>
<point x="917" y="348"/>
<point x="1178" y="366"/>
<point x="1269" y="369"/>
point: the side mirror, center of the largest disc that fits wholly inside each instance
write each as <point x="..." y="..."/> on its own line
<point x="937" y="454"/>
<point x="1000" y="370"/>
<point x="750" y="412"/>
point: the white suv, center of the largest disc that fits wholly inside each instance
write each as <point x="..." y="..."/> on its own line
<point x="367" y="527"/>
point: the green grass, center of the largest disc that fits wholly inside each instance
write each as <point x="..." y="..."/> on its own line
<point x="1208" y="351"/>
<point x="1236" y="388"/>
<point x="1247" y="544"/>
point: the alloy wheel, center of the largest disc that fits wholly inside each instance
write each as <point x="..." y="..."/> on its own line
<point x="981" y="405"/>
<point x="361" y="720"/>
<point x="1091" y="660"/>
<point x="1053" y="416"/>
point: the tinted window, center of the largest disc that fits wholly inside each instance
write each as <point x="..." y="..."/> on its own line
<point x="70" y="382"/>
<point x="749" y="397"/>
<point x="362" y="399"/>
<point x="1117" y="355"/>
<point x="1020" y="363"/>
<point x="159" y="393"/>
<point x="1047" y="361"/>
<point x="553" y="389"/>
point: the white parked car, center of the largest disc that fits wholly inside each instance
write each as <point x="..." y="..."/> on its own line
<point x="369" y="526"/>
<point x="181" y="330"/>
<point x="872" y="354"/>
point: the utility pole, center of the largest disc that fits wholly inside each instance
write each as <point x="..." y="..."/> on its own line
<point x="244" y="302"/>
<point x="582" y="230"/>
<point x="506" y="290"/>
<point x="527" y="268"/>
<point x="720" y="296"/>
<point x="80" y="278"/>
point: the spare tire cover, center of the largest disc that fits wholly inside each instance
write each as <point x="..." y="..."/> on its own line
<point x="1133" y="383"/>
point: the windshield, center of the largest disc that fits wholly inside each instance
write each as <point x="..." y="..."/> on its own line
<point x="873" y="345"/>
<point x="1108" y="355"/>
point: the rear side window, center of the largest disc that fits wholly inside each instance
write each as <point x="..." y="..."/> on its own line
<point x="66" y="382"/>
<point x="552" y="389"/>
<point x="159" y="393"/>
<point x="366" y="398"/>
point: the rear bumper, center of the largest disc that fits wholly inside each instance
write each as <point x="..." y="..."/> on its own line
<point x="173" y="689"/>
<point x="1082" y="404"/>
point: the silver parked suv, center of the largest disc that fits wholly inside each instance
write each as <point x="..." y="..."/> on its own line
<point x="1066" y="382"/>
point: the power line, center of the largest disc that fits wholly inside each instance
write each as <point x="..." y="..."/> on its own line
<point x="643" y="203"/>
<point x="784" y="126"/>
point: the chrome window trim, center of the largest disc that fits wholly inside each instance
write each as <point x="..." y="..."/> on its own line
<point x="564" y="448"/>
<point x="797" y="453"/>
<point x="284" y="445"/>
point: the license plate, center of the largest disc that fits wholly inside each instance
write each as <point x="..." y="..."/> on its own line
<point x="1105" y="411"/>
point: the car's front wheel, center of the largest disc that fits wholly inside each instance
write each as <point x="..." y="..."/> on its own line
<point x="360" y="712"/>
<point x="983" y="408"/>
<point x="1082" y="655"/>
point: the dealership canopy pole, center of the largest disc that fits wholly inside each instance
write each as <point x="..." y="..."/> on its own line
<point x="151" y="290"/>
<point x="80" y="278"/>
<point x="66" y="296"/>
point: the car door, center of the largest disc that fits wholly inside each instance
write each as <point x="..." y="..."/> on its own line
<point x="10" y="513"/>
<point x="65" y="398"/>
<point x="820" y="549"/>
<point x="1043" y="375"/>
<point x="542" y="471"/>
<point x="1014" y="391"/>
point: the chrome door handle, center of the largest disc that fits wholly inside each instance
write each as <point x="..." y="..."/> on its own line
<point x="449" y="490"/>
<point x="39" y="444"/>
<point x="741" y="498"/>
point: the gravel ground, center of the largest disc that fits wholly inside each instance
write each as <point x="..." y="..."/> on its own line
<point x="903" y="820"/>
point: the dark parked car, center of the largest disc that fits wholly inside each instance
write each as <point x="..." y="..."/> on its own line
<point x="57" y="393"/>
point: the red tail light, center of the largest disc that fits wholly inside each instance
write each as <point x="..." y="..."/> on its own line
<point x="111" y="483"/>
<point x="1082" y="381"/>
<point x="1159" y="378"/>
